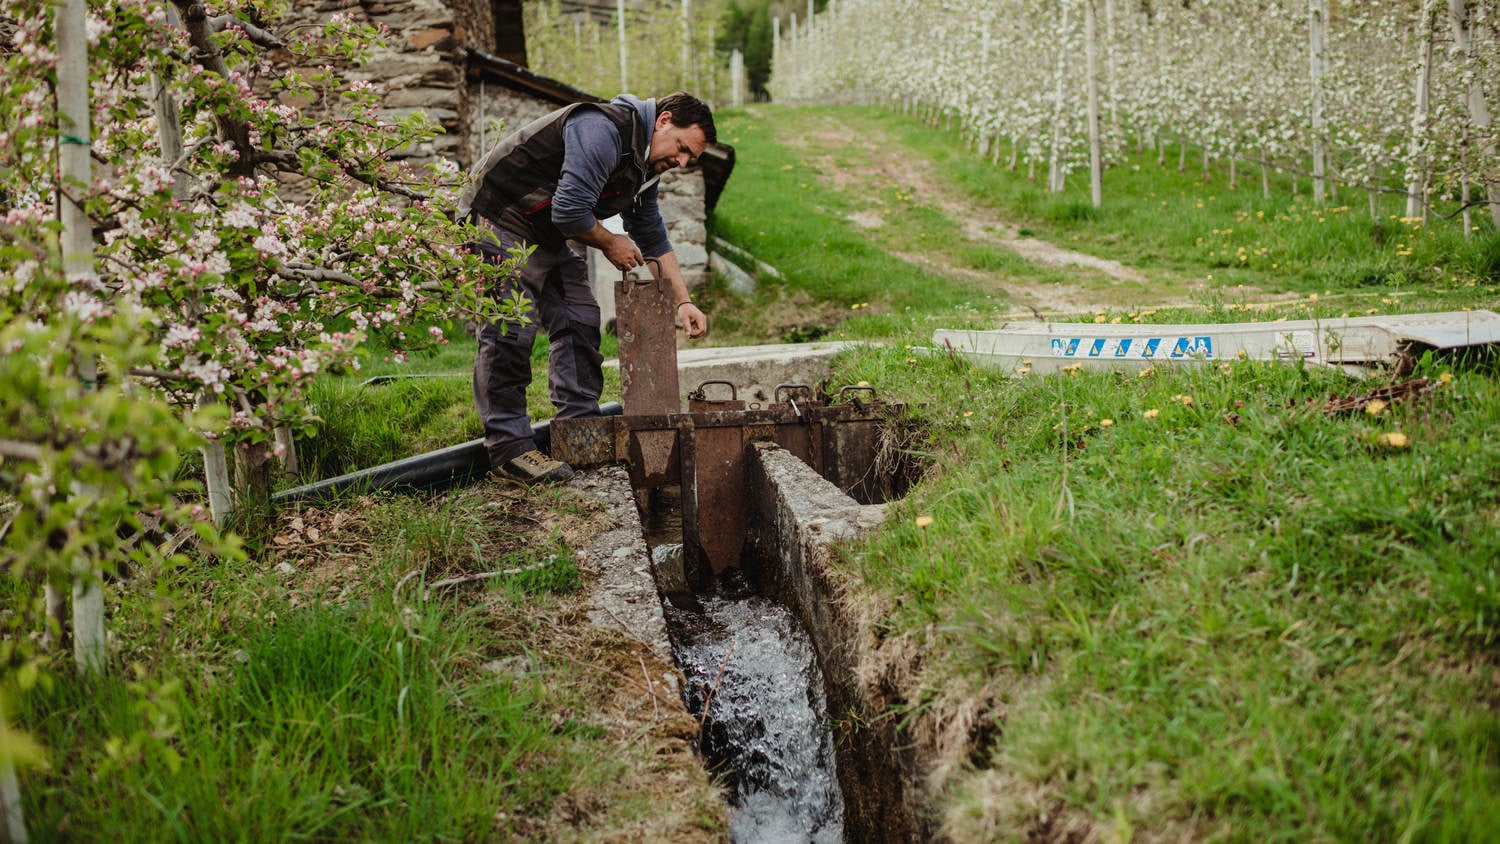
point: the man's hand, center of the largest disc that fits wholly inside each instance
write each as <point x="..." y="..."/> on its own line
<point x="622" y="252"/>
<point x="693" y="320"/>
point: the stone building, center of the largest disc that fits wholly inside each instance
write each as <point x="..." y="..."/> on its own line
<point x="463" y="62"/>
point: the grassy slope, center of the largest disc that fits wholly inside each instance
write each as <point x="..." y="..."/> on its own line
<point x="318" y="691"/>
<point x="1270" y="629"/>
<point x="1230" y="615"/>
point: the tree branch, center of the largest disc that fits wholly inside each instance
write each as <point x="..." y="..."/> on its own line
<point x="195" y="20"/>
<point x="257" y="36"/>
<point x="309" y="273"/>
<point x="287" y="160"/>
<point x="17" y="450"/>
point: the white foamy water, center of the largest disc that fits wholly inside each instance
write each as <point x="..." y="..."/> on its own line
<point x="766" y="718"/>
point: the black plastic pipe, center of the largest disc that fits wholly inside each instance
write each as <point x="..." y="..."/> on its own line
<point x="433" y="470"/>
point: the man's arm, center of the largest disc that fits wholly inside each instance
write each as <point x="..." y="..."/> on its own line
<point x="693" y="320"/>
<point x="617" y="248"/>
<point x="591" y="148"/>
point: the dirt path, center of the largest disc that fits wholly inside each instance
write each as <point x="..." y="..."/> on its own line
<point x="870" y="167"/>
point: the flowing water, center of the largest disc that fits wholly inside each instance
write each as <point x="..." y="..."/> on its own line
<point x="748" y="661"/>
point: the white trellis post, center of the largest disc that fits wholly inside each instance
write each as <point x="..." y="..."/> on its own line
<point x="737" y="77"/>
<point x="1479" y="112"/>
<point x="1416" y="186"/>
<point x="74" y="169"/>
<point x="14" y="829"/>
<point x="1055" y="177"/>
<point x="687" y="45"/>
<point x="776" y="67"/>
<point x="1317" y="42"/>
<point x="624" y="63"/>
<point x="1111" y="66"/>
<point x="169" y="131"/>
<point x="1096" y="154"/>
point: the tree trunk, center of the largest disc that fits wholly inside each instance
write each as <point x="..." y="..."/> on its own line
<point x="1265" y="179"/>
<point x="252" y="469"/>
<point x="1317" y="23"/>
<point x="1416" y="187"/>
<point x="1096" y="155"/>
<point x="1468" y="217"/>
<point x="291" y="469"/>
<point x="1479" y="112"/>
<point x="74" y="170"/>
<point x="169" y="131"/>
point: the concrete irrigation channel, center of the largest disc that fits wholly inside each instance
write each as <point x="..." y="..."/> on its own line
<point x="766" y="485"/>
<point x="766" y="652"/>
<point x="724" y="519"/>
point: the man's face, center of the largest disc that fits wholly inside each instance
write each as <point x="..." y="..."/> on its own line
<point x="674" y="146"/>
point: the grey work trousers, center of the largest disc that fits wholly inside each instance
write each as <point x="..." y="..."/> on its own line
<point x="561" y="303"/>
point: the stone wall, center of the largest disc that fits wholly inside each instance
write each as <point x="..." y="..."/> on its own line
<point x="422" y="68"/>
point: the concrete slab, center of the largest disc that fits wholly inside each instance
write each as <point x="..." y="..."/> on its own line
<point x="624" y="596"/>
<point x="1353" y="344"/>
<point x="756" y="370"/>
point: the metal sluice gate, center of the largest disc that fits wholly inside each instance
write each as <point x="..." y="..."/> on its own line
<point x="703" y="451"/>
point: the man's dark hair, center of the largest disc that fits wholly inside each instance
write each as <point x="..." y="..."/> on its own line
<point x="687" y="110"/>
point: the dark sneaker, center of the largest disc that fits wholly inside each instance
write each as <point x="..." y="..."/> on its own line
<point x="534" y="467"/>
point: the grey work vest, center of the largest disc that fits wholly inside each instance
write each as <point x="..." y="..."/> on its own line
<point x="518" y="176"/>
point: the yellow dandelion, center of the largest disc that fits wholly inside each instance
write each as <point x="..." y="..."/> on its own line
<point x="1393" y="439"/>
<point x="1375" y="407"/>
<point x="923" y="522"/>
<point x="1151" y="414"/>
<point x="1106" y="423"/>
<point x="1147" y="372"/>
<point x="1446" y="378"/>
<point x="968" y="413"/>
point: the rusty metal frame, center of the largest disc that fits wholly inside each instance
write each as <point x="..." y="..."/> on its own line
<point x="704" y="449"/>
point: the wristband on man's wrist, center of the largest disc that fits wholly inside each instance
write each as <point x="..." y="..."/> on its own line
<point x="684" y="302"/>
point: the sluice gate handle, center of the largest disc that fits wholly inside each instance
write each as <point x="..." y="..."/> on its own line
<point x="854" y="400"/>
<point x="793" y="390"/>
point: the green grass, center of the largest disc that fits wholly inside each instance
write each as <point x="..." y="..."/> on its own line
<point x="1235" y="618"/>
<point x="363" y="720"/>
<point x="775" y="209"/>
<point x="1157" y="216"/>
<point x="1241" y="608"/>
<point x="387" y="410"/>
<point x="303" y="696"/>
